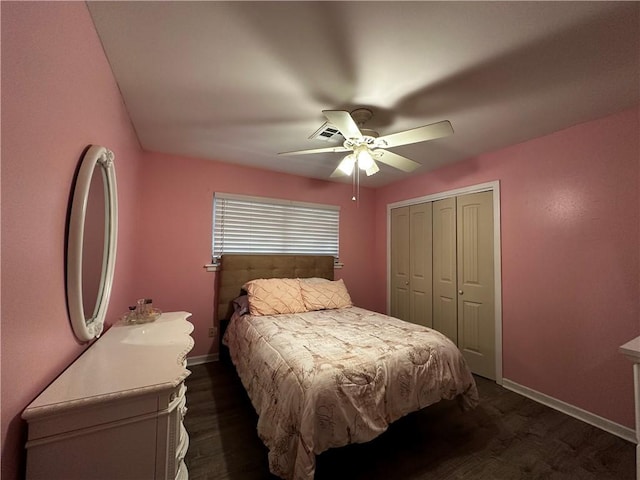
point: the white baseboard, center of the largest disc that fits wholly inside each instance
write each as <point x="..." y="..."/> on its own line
<point x="200" y="359"/>
<point x="616" y="429"/>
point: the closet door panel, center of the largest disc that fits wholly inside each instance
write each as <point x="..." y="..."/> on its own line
<point x="420" y="247"/>
<point x="476" y="321"/>
<point x="400" y="263"/>
<point x="445" y="305"/>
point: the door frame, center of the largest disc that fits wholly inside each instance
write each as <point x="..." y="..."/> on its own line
<point x="497" y="260"/>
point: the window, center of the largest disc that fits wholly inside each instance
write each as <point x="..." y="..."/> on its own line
<point x="244" y="224"/>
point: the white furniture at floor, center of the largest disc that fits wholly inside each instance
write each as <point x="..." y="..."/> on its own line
<point x="632" y="351"/>
<point x="116" y="412"/>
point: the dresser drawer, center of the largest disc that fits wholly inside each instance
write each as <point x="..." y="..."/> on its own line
<point x="90" y="415"/>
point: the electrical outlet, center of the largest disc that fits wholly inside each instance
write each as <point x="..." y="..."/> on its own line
<point x="212" y="332"/>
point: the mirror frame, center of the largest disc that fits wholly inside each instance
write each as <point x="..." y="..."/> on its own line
<point x="96" y="159"/>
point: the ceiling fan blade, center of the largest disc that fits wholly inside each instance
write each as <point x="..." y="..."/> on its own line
<point x="415" y="135"/>
<point x="344" y="122"/>
<point x="395" y="160"/>
<point x="317" y="150"/>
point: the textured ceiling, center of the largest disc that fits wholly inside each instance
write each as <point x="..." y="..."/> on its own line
<point x="241" y="81"/>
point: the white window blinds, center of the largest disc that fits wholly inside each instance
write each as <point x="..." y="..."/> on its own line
<point x="244" y="224"/>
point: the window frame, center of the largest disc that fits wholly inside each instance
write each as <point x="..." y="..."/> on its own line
<point x="256" y="204"/>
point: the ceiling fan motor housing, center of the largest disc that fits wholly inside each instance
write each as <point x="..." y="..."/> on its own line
<point x="361" y="116"/>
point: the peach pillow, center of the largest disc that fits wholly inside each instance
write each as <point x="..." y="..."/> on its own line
<point x="325" y="295"/>
<point x="273" y="296"/>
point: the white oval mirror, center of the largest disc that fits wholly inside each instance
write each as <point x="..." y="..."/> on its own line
<point x="91" y="246"/>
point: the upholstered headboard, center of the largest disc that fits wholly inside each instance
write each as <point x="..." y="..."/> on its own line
<point x="236" y="270"/>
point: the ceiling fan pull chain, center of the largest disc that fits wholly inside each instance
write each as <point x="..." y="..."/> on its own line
<point x="358" y="186"/>
<point x="353" y="184"/>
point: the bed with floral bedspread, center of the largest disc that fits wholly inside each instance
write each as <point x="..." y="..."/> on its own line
<point x="327" y="378"/>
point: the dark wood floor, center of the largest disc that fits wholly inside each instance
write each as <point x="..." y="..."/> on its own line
<point x="507" y="437"/>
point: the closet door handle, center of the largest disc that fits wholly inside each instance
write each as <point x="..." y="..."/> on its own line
<point x="460" y="292"/>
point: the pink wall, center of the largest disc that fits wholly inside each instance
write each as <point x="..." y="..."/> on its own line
<point x="178" y="205"/>
<point x="58" y="96"/>
<point x="570" y="261"/>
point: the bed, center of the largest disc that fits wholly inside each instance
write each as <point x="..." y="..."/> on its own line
<point x="319" y="377"/>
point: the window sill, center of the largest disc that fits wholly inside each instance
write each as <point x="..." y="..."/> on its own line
<point x="215" y="267"/>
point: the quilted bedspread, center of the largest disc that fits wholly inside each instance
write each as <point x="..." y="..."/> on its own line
<point x="329" y="378"/>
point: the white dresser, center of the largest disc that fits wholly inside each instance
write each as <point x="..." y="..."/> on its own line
<point x="117" y="411"/>
<point x="631" y="350"/>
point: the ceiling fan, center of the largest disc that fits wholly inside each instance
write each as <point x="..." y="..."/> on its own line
<point x="367" y="147"/>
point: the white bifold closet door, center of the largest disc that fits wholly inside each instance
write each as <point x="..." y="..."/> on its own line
<point x="456" y="248"/>
<point x="463" y="277"/>
<point x="411" y="271"/>
<point x="445" y="271"/>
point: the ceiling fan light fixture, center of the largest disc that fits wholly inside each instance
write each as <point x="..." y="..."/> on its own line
<point x="347" y="164"/>
<point x="372" y="169"/>
<point x="365" y="160"/>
